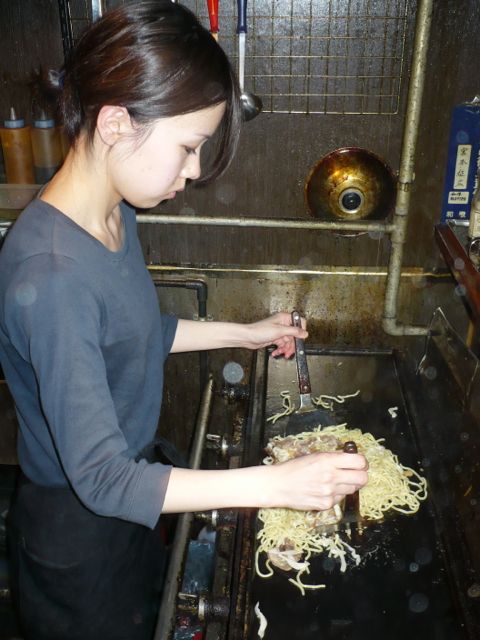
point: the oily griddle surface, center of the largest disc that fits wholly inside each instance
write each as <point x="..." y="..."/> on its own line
<point x="400" y="590"/>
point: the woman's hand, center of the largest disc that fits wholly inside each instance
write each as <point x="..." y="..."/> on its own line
<point x="313" y="482"/>
<point x="194" y="336"/>
<point x="316" y="481"/>
<point x="277" y="330"/>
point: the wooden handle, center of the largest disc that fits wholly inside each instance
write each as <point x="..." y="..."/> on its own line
<point x="301" y="357"/>
<point x="352" y="501"/>
<point x="350" y="447"/>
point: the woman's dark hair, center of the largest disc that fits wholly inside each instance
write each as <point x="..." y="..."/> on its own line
<point x="155" y="59"/>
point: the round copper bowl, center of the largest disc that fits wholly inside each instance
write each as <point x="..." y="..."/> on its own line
<point x="351" y="184"/>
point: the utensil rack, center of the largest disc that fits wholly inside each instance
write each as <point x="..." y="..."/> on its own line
<point x="327" y="56"/>
<point x="312" y="56"/>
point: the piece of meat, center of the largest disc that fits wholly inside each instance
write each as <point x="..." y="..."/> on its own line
<point x="323" y="518"/>
<point x="281" y="555"/>
<point x="283" y="449"/>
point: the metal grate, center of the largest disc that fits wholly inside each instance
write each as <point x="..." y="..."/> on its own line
<point x="314" y="56"/>
<point x="76" y="15"/>
<point x="80" y="16"/>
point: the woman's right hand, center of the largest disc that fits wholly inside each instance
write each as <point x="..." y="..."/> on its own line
<point x="316" y="481"/>
<point x="313" y="482"/>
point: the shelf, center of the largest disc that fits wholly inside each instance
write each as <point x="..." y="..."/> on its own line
<point x="14" y="198"/>
<point x="461" y="267"/>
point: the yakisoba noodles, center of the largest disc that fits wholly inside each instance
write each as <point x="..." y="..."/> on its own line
<point x="287" y="532"/>
<point x="391" y="485"/>
<point x="289" y="535"/>
<point x="323" y="400"/>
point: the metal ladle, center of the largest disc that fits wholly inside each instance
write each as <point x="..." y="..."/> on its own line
<point x="97" y="7"/>
<point x="251" y="104"/>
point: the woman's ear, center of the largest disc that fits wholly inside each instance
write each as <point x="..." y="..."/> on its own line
<point x="112" y="123"/>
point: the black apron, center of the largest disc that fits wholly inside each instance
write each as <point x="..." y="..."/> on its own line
<point x="79" y="576"/>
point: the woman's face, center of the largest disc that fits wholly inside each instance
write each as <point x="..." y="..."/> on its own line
<point x="153" y="170"/>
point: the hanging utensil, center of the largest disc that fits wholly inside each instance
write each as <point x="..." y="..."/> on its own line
<point x="251" y="104"/>
<point x="97" y="9"/>
<point x="213" y="16"/>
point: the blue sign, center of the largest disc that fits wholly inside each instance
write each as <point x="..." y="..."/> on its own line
<point x="463" y="163"/>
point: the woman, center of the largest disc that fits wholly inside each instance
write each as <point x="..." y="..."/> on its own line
<point x="82" y="341"/>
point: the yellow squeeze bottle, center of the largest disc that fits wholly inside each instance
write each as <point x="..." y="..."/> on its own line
<point x="47" y="149"/>
<point x="17" y="150"/>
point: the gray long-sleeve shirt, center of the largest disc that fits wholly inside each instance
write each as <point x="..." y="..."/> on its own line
<point x="82" y="346"/>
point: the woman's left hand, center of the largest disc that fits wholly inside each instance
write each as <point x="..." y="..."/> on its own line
<point x="277" y="330"/>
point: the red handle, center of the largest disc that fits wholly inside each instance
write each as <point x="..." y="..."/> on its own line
<point x="213" y="15"/>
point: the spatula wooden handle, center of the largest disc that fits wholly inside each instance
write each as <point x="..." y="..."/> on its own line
<point x="350" y="447"/>
<point x="301" y="357"/>
<point x="352" y="501"/>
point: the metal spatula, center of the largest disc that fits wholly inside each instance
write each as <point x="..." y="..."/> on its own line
<point x="303" y="375"/>
<point x="308" y="415"/>
<point x="351" y="505"/>
<point x="351" y="519"/>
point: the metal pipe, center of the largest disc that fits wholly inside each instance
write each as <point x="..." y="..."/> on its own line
<point x="65" y="27"/>
<point x="201" y="290"/>
<point x="198" y="286"/>
<point x="268" y="223"/>
<point x="370" y="272"/>
<point x="406" y="174"/>
<point x="179" y="549"/>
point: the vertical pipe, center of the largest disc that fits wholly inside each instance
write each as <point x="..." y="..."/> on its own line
<point x="406" y="175"/>
<point x="66" y="27"/>
<point x="172" y="585"/>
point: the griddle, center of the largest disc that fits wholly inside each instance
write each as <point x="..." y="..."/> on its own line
<point x="418" y="576"/>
